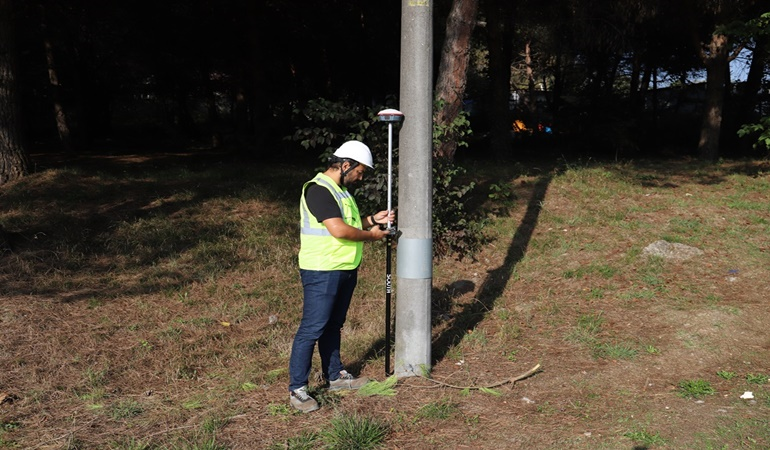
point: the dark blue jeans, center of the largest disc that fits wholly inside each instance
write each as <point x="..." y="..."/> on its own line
<point x="324" y="308"/>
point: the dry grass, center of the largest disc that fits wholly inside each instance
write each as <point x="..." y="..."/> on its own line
<point x="151" y="305"/>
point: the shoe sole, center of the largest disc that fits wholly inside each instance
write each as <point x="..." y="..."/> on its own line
<point x="305" y="411"/>
<point x="311" y="409"/>
<point x="344" y="388"/>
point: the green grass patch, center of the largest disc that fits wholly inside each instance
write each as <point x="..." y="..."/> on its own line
<point x="602" y="270"/>
<point x="725" y="374"/>
<point x="695" y="388"/>
<point x="750" y="433"/>
<point x="439" y="410"/>
<point x="355" y="432"/>
<point x="645" y="438"/>
<point x="756" y="378"/>
<point x="304" y="441"/>
<point x="275" y="375"/>
<point x="588" y="326"/>
<point x="125" y="409"/>
<point x="640" y="294"/>
<point x="615" y="351"/>
<point x="281" y="409"/>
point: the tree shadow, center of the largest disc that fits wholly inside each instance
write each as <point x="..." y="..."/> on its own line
<point x="493" y="285"/>
<point x="91" y="217"/>
<point x="441" y="302"/>
<point x="491" y="289"/>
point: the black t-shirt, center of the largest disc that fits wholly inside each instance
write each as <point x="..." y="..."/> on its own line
<point x="321" y="203"/>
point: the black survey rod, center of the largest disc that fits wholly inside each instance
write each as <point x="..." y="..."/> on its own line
<point x="390" y="116"/>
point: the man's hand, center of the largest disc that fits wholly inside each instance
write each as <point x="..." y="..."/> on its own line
<point x="383" y="217"/>
<point x="378" y="233"/>
<point x="339" y="229"/>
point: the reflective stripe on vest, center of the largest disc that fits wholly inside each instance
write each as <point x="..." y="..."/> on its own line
<point x="305" y="213"/>
<point x="320" y="250"/>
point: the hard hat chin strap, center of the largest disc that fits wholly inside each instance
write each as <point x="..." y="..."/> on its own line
<point x="353" y="165"/>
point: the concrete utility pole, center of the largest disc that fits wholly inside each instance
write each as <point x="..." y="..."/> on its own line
<point x="415" y="177"/>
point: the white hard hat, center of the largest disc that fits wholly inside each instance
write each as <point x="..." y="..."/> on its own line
<point x="357" y="151"/>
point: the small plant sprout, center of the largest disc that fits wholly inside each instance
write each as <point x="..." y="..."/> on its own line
<point x="652" y="350"/>
<point x="280" y="409"/>
<point x="695" y="388"/>
<point x="614" y="351"/>
<point x="727" y="375"/>
<point x="248" y="386"/>
<point x="756" y="378"/>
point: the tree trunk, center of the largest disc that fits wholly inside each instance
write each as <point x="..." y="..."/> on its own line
<point x="530" y="102"/>
<point x="717" y="62"/>
<point x="500" y="78"/>
<point x="750" y="95"/>
<point x="634" y="92"/>
<point x="252" y="94"/>
<point x="453" y="70"/>
<point x="644" y="86"/>
<point x="13" y="158"/>
<point x="555" y="101"/>
<point x="60" y="116"/>
<point x="214" y="119"/>
<point x="654" y="74"/>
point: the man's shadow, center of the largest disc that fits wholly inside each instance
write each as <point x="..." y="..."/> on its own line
<point x="491" y="288"/>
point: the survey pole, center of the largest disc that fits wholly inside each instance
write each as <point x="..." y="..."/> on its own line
<point x="414" y="259"/>
<point x="391" y="117"/>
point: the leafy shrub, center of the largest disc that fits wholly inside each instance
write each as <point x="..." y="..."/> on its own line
<point x="760" y="130"/>
<point x="458" y="130"/>
<point x="323" y="125"/>
<point x="456" y="230"/>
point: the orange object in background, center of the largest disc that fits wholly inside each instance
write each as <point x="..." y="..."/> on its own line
<point x="519" y="126"/>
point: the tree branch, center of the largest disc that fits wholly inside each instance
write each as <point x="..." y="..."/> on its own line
<point x="512" y="380"/>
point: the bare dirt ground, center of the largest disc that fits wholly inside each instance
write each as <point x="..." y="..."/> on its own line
<point x="107" y="344"/>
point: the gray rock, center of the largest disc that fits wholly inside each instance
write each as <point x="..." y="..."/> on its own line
<point x="669" y="250"/>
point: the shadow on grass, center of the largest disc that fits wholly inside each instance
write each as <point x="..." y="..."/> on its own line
<point x="673" y="173"/>
<point x="493" y="285"/>
<point x="75" y="231"/>
<point x="491" y="288"/>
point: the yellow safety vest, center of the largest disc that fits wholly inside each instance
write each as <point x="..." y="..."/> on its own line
<point x="319" y="250"/>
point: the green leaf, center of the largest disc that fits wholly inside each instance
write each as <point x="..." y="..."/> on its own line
<point x="490" y="391"/>
<point x="384" y="388"/>
<point x="248" y="386"/>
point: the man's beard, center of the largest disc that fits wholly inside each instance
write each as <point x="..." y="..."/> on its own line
<point x="352" y="184"/>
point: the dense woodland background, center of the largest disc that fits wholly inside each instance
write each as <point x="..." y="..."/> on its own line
<point x="149" y="299"/>
<point x="625" y="78"/>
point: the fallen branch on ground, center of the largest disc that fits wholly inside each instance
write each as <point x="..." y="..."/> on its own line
<point x="511" y="380"/>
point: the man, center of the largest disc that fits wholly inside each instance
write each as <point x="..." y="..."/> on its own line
<point x="332" y="232"/>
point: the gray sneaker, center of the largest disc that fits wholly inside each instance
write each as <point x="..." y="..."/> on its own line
<point x="302" y="401"/>
<point x="347" y="381"/>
